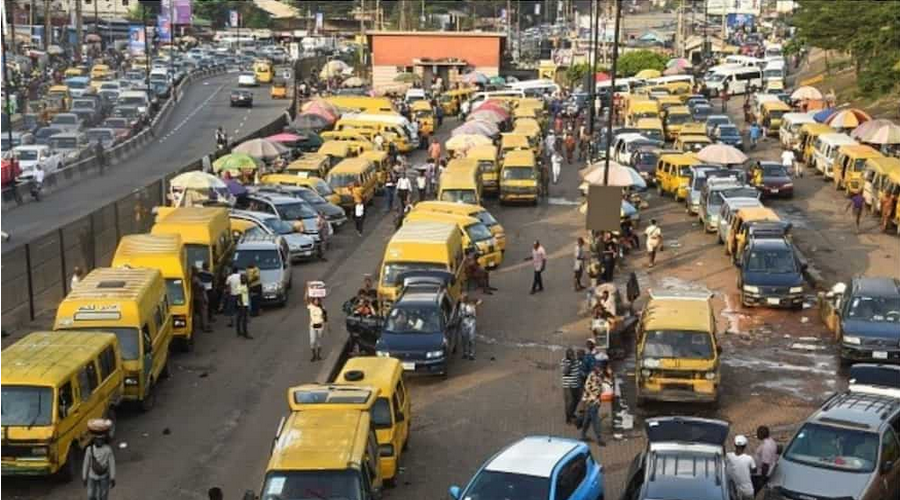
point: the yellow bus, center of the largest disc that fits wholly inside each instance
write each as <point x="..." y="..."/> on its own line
<point x="519" y="177"/>
<point x="488" y="166"/>
<point x="205" y="233"/>
<point x="461" y="182"/>
<point x="134" y="305"/>
<point x="476" y="236"/>
<point x="310" y="165"/>
<point x="358" y="172"/>
<point x="362" y="103"/>
<point x="263" y="71"/>
<point x="53" y="384"/>
<point x="476" y="211"/>
<point x="166" y="253"/>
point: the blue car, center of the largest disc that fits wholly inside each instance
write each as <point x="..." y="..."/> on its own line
<point x="771" y="275"/>
<point x="538" y="467"/>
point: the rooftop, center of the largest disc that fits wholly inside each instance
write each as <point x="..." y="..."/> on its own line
<point x="533" y="456"/>
<point x="453" y="34"/>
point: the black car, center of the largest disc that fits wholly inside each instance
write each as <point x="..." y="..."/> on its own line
<point x="241" y="97"/>
<point x="422" y="327"/>
<point x="866" y="319"/>
<point x="771" y="274"/>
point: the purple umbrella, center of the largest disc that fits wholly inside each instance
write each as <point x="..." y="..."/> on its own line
<point x="235" y="187"/>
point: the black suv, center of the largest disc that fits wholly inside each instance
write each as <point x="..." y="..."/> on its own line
<point x="865" y="318"/>
<point x="771" y="274"/>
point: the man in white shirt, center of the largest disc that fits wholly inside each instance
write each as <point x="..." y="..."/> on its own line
<point x="765" y="456"/>
<point x="403" y="188"/>
<point x="654" y="240"/>
<point x="233" y="287"/>
<point x="787" y="160"/>
<point x="740" y="468"/>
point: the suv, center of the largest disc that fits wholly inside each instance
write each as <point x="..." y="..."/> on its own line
<point x="684" y="458"/>
<point x="422" y="328"/>
<point x="849" y="448"/>
<point x="287" y="208"/>
<point x="335" y="215"/>
<point x="271" y="255"/>
<point x="865" y="319"/>
<point x="771" y="274"/>
<point x="300" y="246"/>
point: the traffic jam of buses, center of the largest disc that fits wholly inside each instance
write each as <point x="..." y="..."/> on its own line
<point x="555" y="249"/>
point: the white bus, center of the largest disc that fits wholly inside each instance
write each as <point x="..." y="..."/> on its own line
<point x="773" y="50"/>
<point x="738" y="80"/>
<point x="745" y="61"/>
<point x="535" y="88"/>
<point x="774" y="71"/>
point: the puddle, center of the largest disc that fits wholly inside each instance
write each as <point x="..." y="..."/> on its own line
<point x="520" y="345"/>
<point x="563" y="202"/>
<point x="797" y="388"/>
<point x="822" y="365"/>
<point x="679" y="285"/>
<point x="737" y="322"/>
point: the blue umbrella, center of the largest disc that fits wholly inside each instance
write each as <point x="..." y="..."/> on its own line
<point x="823" y="115"/>
<point x="628" y="210"/>
<point x="235" y="187"/>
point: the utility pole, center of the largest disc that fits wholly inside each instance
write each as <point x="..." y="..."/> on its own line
<point x="11" y="8"/>
<point x="47" y="33"/>
<point x="146" y="46"/>
<point x="6" y="89"/>
<point x="706" y="47"/>
<point x="518" y="31"/>
<point x="612" y="90"/>
<point x="680" y="38"/>
<point x="96" y="18"/>
<point x="402" y="7"/>
<point x="592" y="83"/>
<point x="79" y="36"/>
<point x="509" y="24"/>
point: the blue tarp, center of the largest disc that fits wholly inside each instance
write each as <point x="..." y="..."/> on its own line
<point x="823" y="115"/>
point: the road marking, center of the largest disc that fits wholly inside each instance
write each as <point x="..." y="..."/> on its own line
<point x="194" y="111"/>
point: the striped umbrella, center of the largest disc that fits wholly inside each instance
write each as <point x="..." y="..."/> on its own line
<point x="474" y="77"/>
<point x="477" y="127"/>
<point x="721" y="154"/>
<point x="494" y="106"/>
<point x="879" y="132"/>
<point x="488" y="115"/>
<point x="848" y="118"/>
<point x="678" y="62"/>
<point x="465" y="142"/>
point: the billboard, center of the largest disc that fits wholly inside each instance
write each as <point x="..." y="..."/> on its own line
<point x="136" y="43"/>
<point x="164" y="29"/>
<point x="719" y="7"/>
<point x="183" y="11"/>
<point x="735" y="21"/>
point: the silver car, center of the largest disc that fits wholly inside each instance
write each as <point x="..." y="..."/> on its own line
<point x="270" y="254"/>
<point x="300" y="246"/>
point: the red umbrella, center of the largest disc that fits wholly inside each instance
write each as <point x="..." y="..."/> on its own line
<point x="601" y="76"/>
<point x="285" y="137"/>
<point x="493" y="106"/>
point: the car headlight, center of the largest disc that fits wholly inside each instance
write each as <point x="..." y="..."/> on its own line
<point x="850" y="339"/>
<point x="131" y="381"/>
<point x="382" y="354"/>
<point x="651" y="363"/>
<point x="788" y="185"/>
<point x="710" y="375"/>
<point x="434" y="354"/>
<point x="645" y="373"/>
<point x="179" y="321"/>
<point x="751" y="289"/>
<point x="273" y="287"/>
<point x="796" y="289"/>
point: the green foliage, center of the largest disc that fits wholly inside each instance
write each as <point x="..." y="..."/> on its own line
<point x="632" y="62"/>
<point x="869" y="30"/>
<point x="576" y="73"/>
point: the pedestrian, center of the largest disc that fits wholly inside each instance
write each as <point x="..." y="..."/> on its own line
<point x="434" y="150"/>
<point x="570" y="369"/>
<point x="378" y="141"/>
<point x="200" y="300"/>
<point x="740" y="467"/>
<point x="550" y="144"/>
<point x="37" y="182"/>
<point x="324" y="229"/>
<point x="477" y="274"/>
<point x="610" y="251"/>
<point x="787" y="161"/>
<point x="98" y="471"/>
<point x="77" y="276"/>
<point x="233" y="289"/>
<point x="539" y="259"/>
<point x="591" y="396"/>
<point x="857" y="202"/>
<point x="654" y="240"/>
<point x="317" y="319"/>
<point x="242" y="307"/>
<point x="211" y="298"/>
<point x="765" y="456"/>
<point x="403" y="189"/>
<point x="545" y="180"/>
<point x="755" y="133"/>
<point x="390" y="183"/>
<point x="254" y="283"/>
<point x="724" y="98"/>
<point x="359" y="215"/>
<point x="569" y="143"/>
<point x="469" y="311"/>
<point x="556" y="162"/>
<point x="580" y="258"/>
<point x="888" y="202"/>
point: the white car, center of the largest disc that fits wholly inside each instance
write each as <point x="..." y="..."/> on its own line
<point x="247" y="79"/>
<point x="33" y="155"/>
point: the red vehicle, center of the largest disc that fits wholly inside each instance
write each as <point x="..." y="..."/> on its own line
<point x="10" y="171"/>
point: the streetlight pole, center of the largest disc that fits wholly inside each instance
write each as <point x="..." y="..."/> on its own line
<point x="592" y="83"/>
<point x="79" y="35"/>
<point x="146" y="46"/>
<point x="6" y="89"/>
<point x="612" y="90"/>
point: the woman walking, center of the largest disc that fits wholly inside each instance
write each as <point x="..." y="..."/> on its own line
<point x="317" y="319"/>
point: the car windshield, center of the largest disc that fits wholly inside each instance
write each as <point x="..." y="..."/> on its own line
<point x="76" y="84"/>
<point x="46" y="132"/>
<point x="459" y="196"/>
<point x="342" y="180"/>
<point x="100" y="134"/>
<point x="490" y="485"/>
<point x="129" y="340"/>
<point x="393" y="270"/>
<point x="774" y="171"/>
<point x="175" y="290"/>
<point x="310" y="196"/>
<point x="875" y="309"/>
<point x="518" y="173"/>
<point x="126" y="112"/>
<point x="678" y="344"/>
<point x="486" y="218"/>
<point x="116" y="123"/>
<point x="859" y="165"/>
<point x="131" y="101"/>
<point x="652" y="133"/>
<point x="323" y="188"/>
<point x="278" y="226"/>
<point x="312" y="485"/>
<point x="728" y="131"/>
<point x="83" y="105"/>
<point x="771" y="262"/>
<point x="63" y="143"/>
<point x="265" y="260"/>
<point x="65" y="119"/>
<point x="197" y="254"/>
<point x="381" y="414"/>
<point x="478" y="232"/>
<point x="699" y="182"/>
<point x="27" y="154"/>
<point x="295" y="211"/>
<point x="412" y="319"/>
<point x="677" y="119"/>
<point x="715" y="77"/>
<point x="24" y="405"/>
<point x="743" y="192"/>
<point x="836" y="448"/>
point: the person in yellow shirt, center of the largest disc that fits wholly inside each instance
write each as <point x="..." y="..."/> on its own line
<point x="254" y="282"/>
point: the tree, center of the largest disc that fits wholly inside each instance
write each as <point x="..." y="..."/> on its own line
<point x="576" y="73"/>
<point x="632" y="62"/>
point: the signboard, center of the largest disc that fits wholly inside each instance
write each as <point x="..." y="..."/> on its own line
<point x="734" y="21"/>
<point x="320" y="21"/>
<point x="234" y="18"/>
<point x="183" y="11"/>
<point x="136" y="43"/>
<point x="163" y="29"/>
<point x="720" y="7"/>
<point x="604" y="208"/>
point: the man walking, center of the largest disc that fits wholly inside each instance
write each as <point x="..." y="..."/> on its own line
<point x="580" y="258"/>
<point x="403" y="189"/>
<point x="755" y="133"/>
<point x="787" y="161"/>
<point x="254" y="282"/>
<point x="200" y="300"/>
<point x="857" y="202"/>
<point x="98" y="471"/>
<point x="232" y="288"/>
<point x="469" y="313"/>
<point x="765" y="456"/>
<point x="593" y="389"/>
<point x="242" y="306"/>
<point x="570" y="369"/>
<point x="740" y="467"/>
<point x="539" y="260"/>
<point x="654" y="240"/>
<point x="556" y="161"/>
<point x="317" y="319"/>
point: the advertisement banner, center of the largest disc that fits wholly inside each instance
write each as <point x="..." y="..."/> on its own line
<point x="234" y="18"/>
<point x="164" y="29"/>
<point x="320" y="21"/>
<point x="183" y="11"/>
<point x="136" y="40"/>
<point x="735" y="21"/>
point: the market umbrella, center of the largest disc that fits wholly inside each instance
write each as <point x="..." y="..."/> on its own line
<point x="618" y="176"/>
<point x="474" y="77"/>
<point x="674" y="70"/>
<point x="848" y="118"/>
<point x="322" y="108"/>
<point x="235" y="162"/>
<point x="496" y="80"/>
<point x="333" y="68"/>
<point x="477" y="127"/>
<point x="494" y="106"/>
<point x="353" y="81"/>
<point x="678" y="62"/>
<point x="465" y="141"/>
<point x="407" y="78"/>
<point x="806" y="93"/>
<point x="309" y="121"/>
<point x="285" y="137"/>
<point x="196" y="180"/>
<point x="261" y="149"/>
<point x="92" y="38"/>
<point x="879" y="132"/>
<point x="490" y="115"/>
<point x="823" y="115"/>
<point x="601" y="77"/>
<point x="648" y="73"/>
<point x="235" y="187"/>
<point x="721" y="154"/>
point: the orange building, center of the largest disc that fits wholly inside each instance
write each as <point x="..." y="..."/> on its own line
<point x="432" y="54"/>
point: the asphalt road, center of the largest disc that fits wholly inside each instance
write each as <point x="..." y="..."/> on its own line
<point x="189" y="133"/>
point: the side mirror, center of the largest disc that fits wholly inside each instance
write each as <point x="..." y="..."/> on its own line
<point x="455" y="492"/>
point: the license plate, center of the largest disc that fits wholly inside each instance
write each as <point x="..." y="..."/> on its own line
<point x="409" y="366"/>
<point x="773" y="302"/>
<point x="879" y="355"/>
<point x="774" y="191"/>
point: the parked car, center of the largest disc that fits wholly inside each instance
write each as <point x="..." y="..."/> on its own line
<point x="772" y="179"/>
<point x="335" y="215"/>
<point x="271" y="255"/>
<point x="730" y="135"/>
<point x="771" y="274"/>
<point x="300" y="246"/>
<point x="68" y="122"/>
<point x="865" y="318"/>
<point x="43" y="134"/>
<point x="537" y="467"/>
<point x="31" y="156"/>
<point x="289" y="209"/>
<point x="712" y="121"/>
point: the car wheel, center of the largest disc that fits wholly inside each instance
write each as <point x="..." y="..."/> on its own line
<point x="71" y="469"/>
<point x="149" y="400"/>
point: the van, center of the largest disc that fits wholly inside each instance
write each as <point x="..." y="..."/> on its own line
<point x="308" y="165"/>
<point x="423" y="114"/>
<point x="639" y="109"/>
<point x="737" y="236"/>
<point x="825" y="150"/>
<point x="512" y="142"/>
<point x="877" y="177"/>
<point x="739" y="80"/>
<point x="626" y="144"/>
<point x="677" y="351"/>
<point x="691" y="143"/>
<point x="849" y="165"/>
<point x="324" y="451"/>
<point x="336" y="151"/>
<point x="205" y="233"/>
<point x="771" y="114"/>
<point x="406" y="131"/>
<point x="133" y="304"/>
<point x="476" y="211"/>
<point x="728" y="209"/>
<point x="673" y="174"/>
<point x="789" y="131"/>
<point x="136" y="98"/>
<point x="263" y="71"/>
<point x="476" y="236"/>
<point x="357" y="141"/>
<point x="381" y="161"/>
<point x="461" y="182"/>
<point x="535" y="88"/>
<point x="166" y="253"/>
<point x="421" y="246"/>
<point x="354" y="171"/>
<point x="53" y="384"/>
<point x="770" y="274"/>
<point x="809" y="133"/>
<point x="392" y="410"/>
<point x="452" y="100"/>
<point x="479" y="97"/>
<point x="488" y="166"/>
<point x="530" y="128"/>
<point x="362" y="103"/>
<point x="676" y="116"/>
<point x="651" y="128"/>
<point x="519" y="177"/>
